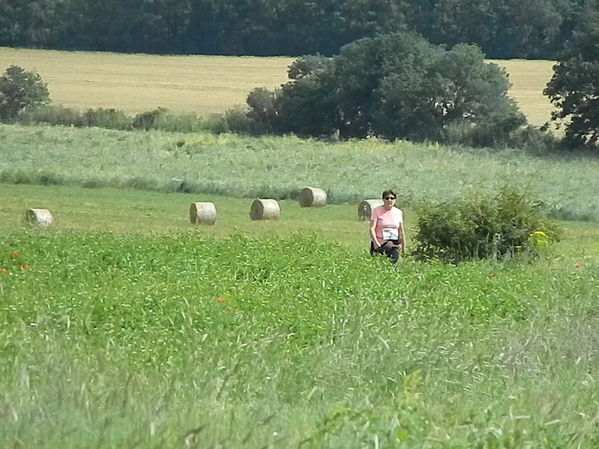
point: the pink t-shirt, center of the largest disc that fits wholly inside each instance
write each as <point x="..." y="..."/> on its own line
<point x="387" y="223"/>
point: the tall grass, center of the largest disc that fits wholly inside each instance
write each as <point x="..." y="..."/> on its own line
<point x="279" y="167"/>
<point x="143" y="341"/>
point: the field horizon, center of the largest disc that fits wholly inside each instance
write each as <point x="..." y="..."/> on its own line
<point x="204" y="84"/>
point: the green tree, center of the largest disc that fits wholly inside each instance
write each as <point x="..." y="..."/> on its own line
<point x="31" y="23"/>
<point x="20" y="90"/>
<point x="399" y="86"/>
<point x="308" y="106"/>
<point x="502" y="28"/>
<point x="574" y="87"/>
<point x="263" y="109"/>
<point x="446" y="89"/>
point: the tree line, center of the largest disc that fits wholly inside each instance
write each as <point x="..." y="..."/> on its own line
<point x="501" y="28"/>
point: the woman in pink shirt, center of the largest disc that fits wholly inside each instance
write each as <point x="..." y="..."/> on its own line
<point x="386" y="228"/>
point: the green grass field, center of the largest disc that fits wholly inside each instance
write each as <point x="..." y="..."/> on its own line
<point x="133" y="211"/>
<point x="127" y="327"/>
<point x="118" y="211"/>
<point x="204" y="84"/>
<point x="124" y="326"/>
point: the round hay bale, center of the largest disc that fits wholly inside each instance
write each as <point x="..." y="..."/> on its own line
<point x="265" y="210"/>
<point x="312" y="197"/>
<point x="39" y="217"/>
<point x="365" y="208"/>
<point x="202" y="213"/>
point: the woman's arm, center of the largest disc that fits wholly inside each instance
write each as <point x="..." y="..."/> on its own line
<point x="373" y="234"/>
<point x="402" y="238"/>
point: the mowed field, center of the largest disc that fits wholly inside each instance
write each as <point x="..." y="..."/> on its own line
<point x="204" y="84"/>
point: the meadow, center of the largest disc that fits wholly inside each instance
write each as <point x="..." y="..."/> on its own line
<point x="204" y="84"/>
<point x="124" y="326"/>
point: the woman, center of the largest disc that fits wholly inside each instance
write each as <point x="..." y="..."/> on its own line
<point x="386" y="228"/>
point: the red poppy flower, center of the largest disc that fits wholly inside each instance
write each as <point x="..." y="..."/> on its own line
<point x="14" y="254"/>
<point x="4" y="271"/>
<point x="25" y="266"/>
<point x="220" y="300"/>
<point x="577" y="265"/>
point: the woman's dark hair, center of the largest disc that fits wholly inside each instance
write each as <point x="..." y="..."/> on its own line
<point x="389" y="192"/>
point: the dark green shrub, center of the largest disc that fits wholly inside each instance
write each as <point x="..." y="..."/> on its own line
<point x="164" y="120"/>
<point x="106" y="118"/>
<point x="534" y="140"/>
<point x="262" y="114"/>
<point x="238" y="120"/>
<point x="148" y="120"/>
<point x="481" y="226"/>
<point x="184" y="123"/>
<point x="215" y="123"/>
<point x="53" y="115"/>
<point x="497" y="131"/>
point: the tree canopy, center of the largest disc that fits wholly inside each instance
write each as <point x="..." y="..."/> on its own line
<point x="20" y="90"/>
<point x="574" y="87"/>
<point x="393" y="86"/>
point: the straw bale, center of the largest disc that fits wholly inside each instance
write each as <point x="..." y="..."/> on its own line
<point x="312" y="197"/>
<point x="365" y="208"/>
<point x="262" y="209"/>
<point x="202" y="213"/>
<point x="39" y="217"/>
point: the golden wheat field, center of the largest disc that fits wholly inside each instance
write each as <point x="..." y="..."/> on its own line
<point x="203" y="84"/>
<point x="136" y="83"/>
<point x="528" y="79"/>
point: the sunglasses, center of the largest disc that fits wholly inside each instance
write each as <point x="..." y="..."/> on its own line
<point x="389" y="198"/>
